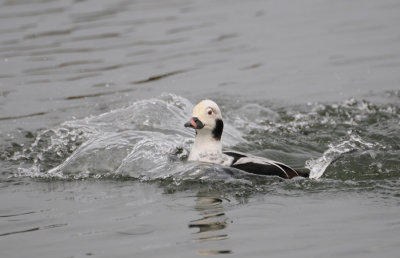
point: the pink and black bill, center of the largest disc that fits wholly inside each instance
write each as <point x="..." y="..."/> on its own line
<point x="194" y="123"/>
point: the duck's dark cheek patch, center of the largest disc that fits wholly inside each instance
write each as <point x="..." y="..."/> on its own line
<point x="217" y="131"/>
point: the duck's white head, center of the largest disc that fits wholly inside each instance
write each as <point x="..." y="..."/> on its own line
<point x="207" y="119"/>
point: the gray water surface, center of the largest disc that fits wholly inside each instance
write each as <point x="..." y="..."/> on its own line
<point x="93" y="152"/>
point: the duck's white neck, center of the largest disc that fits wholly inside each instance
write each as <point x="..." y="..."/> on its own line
<point x="206" y="148"/>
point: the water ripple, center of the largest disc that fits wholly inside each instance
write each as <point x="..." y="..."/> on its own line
<point x="33" y="229"/>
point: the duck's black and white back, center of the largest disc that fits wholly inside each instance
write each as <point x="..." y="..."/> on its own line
<point x="262" y="166"/>
<point x="207" y="121"/>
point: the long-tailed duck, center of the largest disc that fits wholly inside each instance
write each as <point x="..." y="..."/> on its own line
<point x="207" y="121"/>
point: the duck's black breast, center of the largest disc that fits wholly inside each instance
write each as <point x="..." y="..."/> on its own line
<point x="262" y="166"/>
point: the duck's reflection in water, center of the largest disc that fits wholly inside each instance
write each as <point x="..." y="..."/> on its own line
<point x="212" y="221"/>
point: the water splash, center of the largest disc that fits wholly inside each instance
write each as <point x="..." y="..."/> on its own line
<point x="327" y="131"/>
<point x="351" y="140"/>
<point x="311" y="117"/>
<point x="145" y="140"/>
<point x="335" y="151"/>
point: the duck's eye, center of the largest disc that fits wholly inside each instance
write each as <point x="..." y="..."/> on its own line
<point x="210" y="112"/>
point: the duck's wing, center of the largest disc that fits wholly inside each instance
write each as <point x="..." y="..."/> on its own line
<point x="262" y="166"/>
